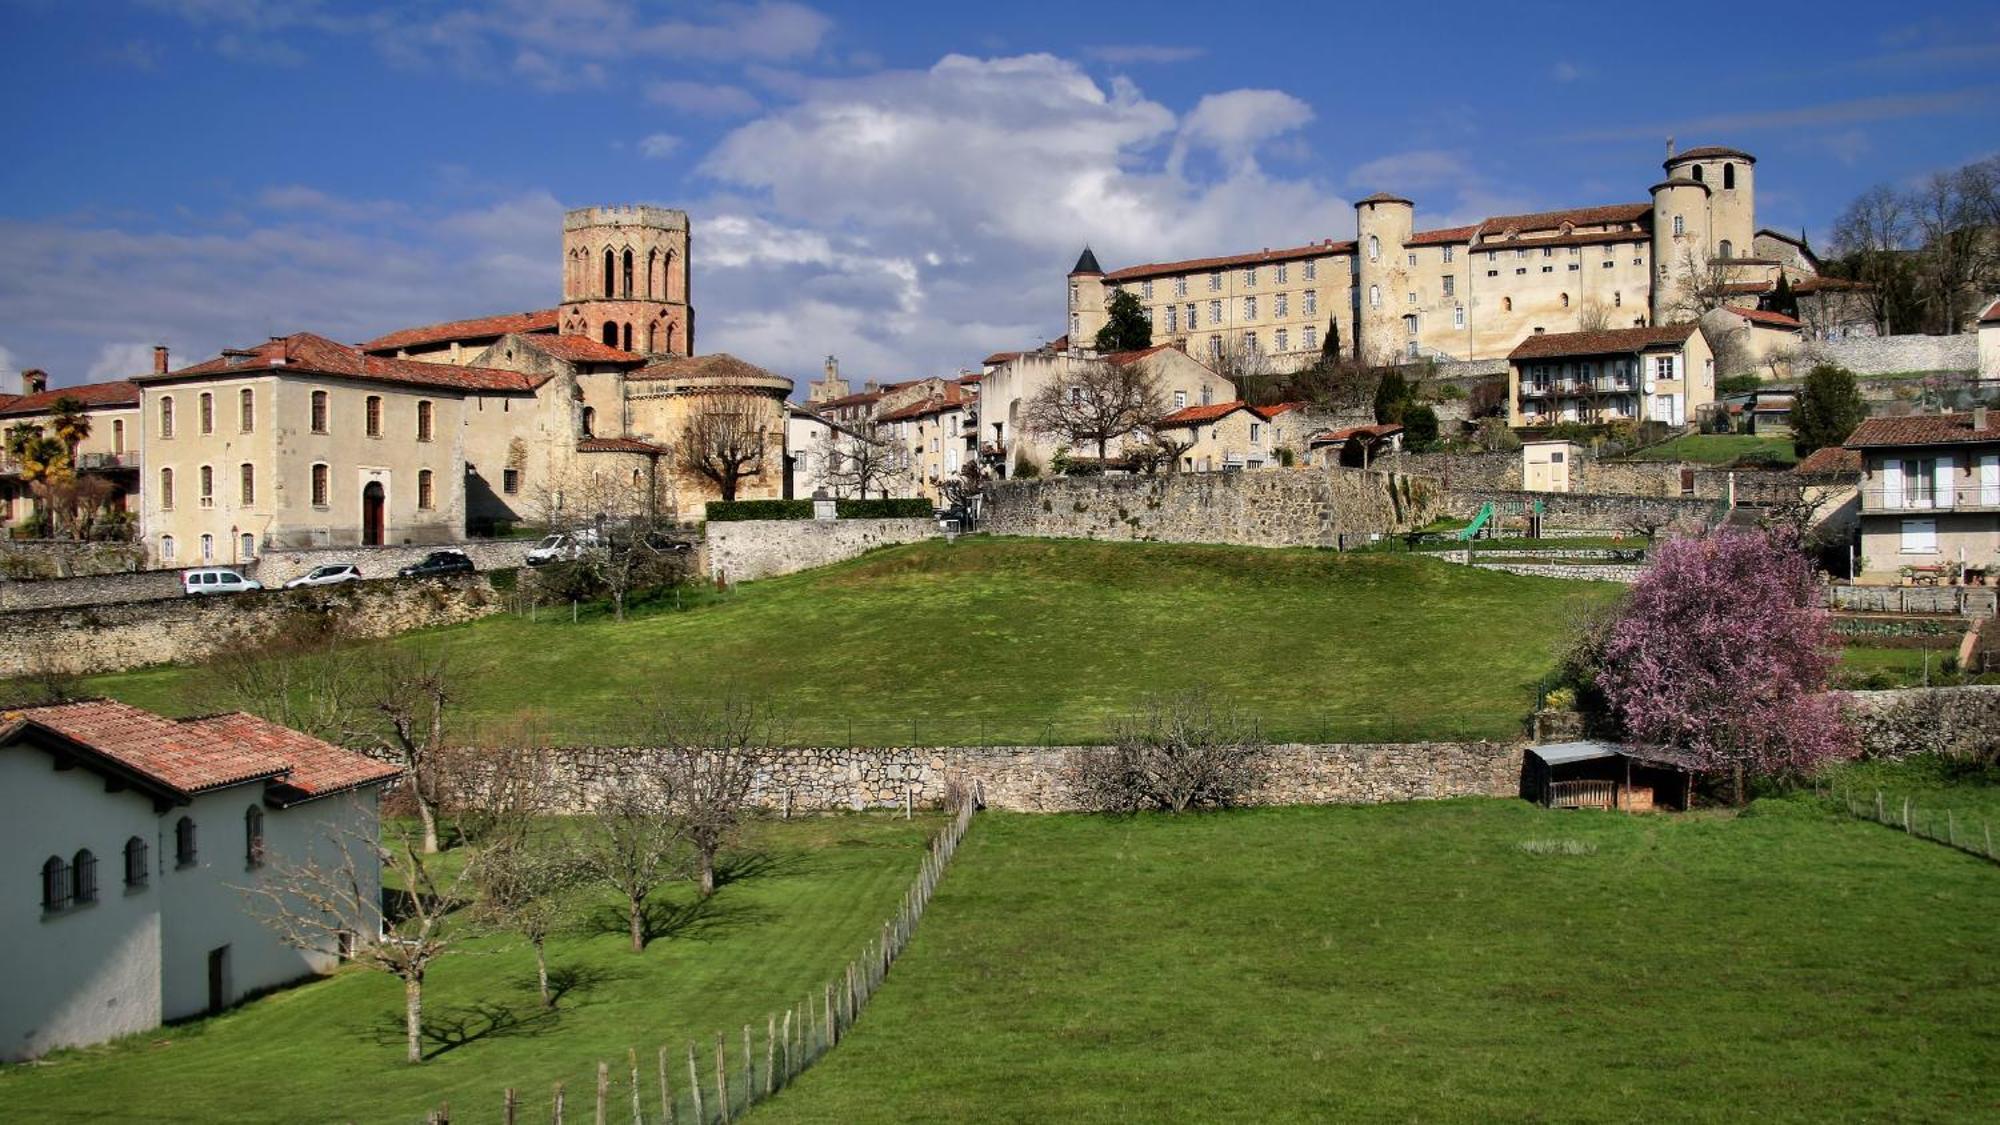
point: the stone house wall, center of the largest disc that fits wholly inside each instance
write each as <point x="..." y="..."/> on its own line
<point x="1897" y="724"/>
<point x="744" y="550"/>
<point x="1882" y="355"/>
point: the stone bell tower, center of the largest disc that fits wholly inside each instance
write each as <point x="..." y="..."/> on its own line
<point x="625" y="279"/>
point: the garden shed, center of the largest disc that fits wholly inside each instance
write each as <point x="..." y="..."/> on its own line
<point x="1606" y="775"/>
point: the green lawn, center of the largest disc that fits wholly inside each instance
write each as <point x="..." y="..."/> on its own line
<point x="1721" y="449"/>
<point x="1866" y="668"/>
<point x="1023" y="641"/>
<point x="811" y="893"/>
<point x="1415" y="963"/>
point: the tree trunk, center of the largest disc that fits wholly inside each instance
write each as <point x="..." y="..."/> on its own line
<point x="707" y="872"/>
<point x="413" y="1017"/>
<point x="636" y="916"/>
<point x="1738" y="785"/>
<point x="427" y="814"/>
<point x="1101" y="443"/>
<point x="542" y="972"/>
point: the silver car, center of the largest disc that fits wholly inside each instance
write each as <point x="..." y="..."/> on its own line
<point x="331" y="574"/>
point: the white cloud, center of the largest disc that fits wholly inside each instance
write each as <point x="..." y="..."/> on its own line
<point x="1410" y="171"/>
<point x="707" y="98"/>
<point x="119" y="361"/>
<point x="658" y="146"/>
<point x="1128" y="54"/>
<point x="1234" y="124"/>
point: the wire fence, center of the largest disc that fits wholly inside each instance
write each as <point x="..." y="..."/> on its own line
<point x="1964" y="833"/>
<point x="700" y="1085"/>
<point x="997" y="728"/>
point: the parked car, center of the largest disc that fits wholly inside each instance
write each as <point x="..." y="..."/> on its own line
<point x="204" y="580"/>
<point x="563" y="546"/>
<point x="451" y="560"/>
<point x="331" y="574"/>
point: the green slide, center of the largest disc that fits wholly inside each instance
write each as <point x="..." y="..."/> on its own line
<point x="1479" y="521"/>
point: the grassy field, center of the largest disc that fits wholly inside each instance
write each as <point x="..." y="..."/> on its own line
<point x="1022" y="641"/>
<point x="809" y="893"/>
<point x="1721" y="449"/>
<point x="1862" y="667"/>
<point x="1416" y="963"/>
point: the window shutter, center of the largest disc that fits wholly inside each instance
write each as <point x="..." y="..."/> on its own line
<point x="1989" y="479"/>
<point x="1943" y="479"/>
<point x="1892" y="483"/>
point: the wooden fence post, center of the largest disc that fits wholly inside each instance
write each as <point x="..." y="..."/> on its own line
<point x="507" y="1107"/>
<point x="721" y="1079"/>
<point x="788" y="1044"/>
<point x="749" y="1069"/>
<point x="632" y="1054"/>
<point x="666" y="1091"/>
<point x="558" y="1118"/>
<point x="603" y="1088"/>
<point x="694" y="1087"/>
<point x="771" y="1055"/>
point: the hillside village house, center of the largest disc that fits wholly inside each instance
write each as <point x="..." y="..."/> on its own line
<point x="129" y="835"/>
<point x="1468" y="292"/>
<point x="1354" y="447"/>
<point x="1007" y="387"/>
<point x="937" y="435"/>
<point x="1752" y="341"/>
<point x="1661" y="374"/>
<point x="1220" y="437"/>
<point x="1930" y="493"/>
<point x="110" y="451"/>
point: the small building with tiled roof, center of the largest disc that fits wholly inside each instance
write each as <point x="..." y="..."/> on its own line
<point x="1929" y="494"/>
<point x="1662" y="374"/>
<point x="1753" y="341"/>
<point x="1354" y="446"/>
<point x="455" y="341"/>
<point x="134" y="839"/>
<point x="1219" y="437"/>
<point x="1005" y="442"/>
<point x="108" y="453"/>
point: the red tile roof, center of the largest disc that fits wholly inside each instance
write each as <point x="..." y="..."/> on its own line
<point x="1833" y="460"/>
<point x="715" y="365"/>
<point x="1120" y="359"/>
<point x="1801" y="287"/>
<point x="307" y="354"/>
<point x="1601" y="215"/>
<point x="1706" y="152"/>
<point x="1924" y="429"/>
<point x="582" y="349"/>
<point x="1374" y="430"/>
<point x="1765" y="316"/>
<point x="998" y="358"/>
<point x="1277" y="408"/>
<point x="618" y="445"/>
<point x="1991" y="315"/>
<point x="1154" y="269"/>
<point x="1196" y="415"/>
<point x="1443" y="235"/>
<point x="954" y="398"/>
<point x="478" y="328"/>
<point x="185" y="757"/>
<point x="1381" y="197"/>
<point x="1611" y="341"/>
<point x="95" y="396"/>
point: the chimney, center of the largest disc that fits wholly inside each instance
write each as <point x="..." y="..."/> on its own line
<point x="832" y="369"/>
<point x="34" y="381"/>
<point x="159" y="359"/>
<point x="1978" y="418"/>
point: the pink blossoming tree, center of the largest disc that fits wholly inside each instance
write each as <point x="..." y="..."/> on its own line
<point x="1722" y="654"/>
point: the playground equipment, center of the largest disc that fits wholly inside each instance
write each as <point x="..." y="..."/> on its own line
<point x="1471" y="531"/>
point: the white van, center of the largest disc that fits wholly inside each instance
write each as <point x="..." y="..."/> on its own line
<point x="203" y="580"/>
<point x="562" y="547"/>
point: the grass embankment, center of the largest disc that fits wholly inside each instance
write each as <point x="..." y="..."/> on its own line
<point x="1723" y="449"/>
<point x="1027" y="641"/>
<point x="807" y="895"/>
<point x="1415" y="963"/>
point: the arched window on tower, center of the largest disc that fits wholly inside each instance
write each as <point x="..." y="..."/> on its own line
<point x="628" y="336"/>
<point x="610" y="334"/>
<point x="1728" y="176"/>
<point x="652" y="273"/>
<point x="653" y="337"/>
<point x="1565" y="298"/>
<point x="1506" y="304"/>
<point x="626" y="291"/>
<point x="610" y="271"/>
<point x="589" y="420"/>
<point x="673" y="338"/>
<point x="1698" y="177"/>
<point x="1726" y="249"/>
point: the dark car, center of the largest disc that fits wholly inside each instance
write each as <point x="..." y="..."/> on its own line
<point x="437" y="563"/>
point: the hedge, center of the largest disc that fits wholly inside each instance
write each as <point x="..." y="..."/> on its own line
<point x="724" y="512"/>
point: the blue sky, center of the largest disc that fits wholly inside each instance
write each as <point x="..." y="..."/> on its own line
<point x="903" y="185"/>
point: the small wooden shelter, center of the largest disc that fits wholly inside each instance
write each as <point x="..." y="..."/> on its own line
<point x="1606" y="775"/>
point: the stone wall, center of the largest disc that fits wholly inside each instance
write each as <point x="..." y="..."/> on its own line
<point x="743" y="550"/>
<point x="1579" y="510"/>
<point x="1502" y="472"/>
<point x="63" y="558"/>
<point x="1881" y="355"/>
<point x="1622" y="573"/>
<point x="1897" y="724"/>
<point x="101" y="589"/>
<point x="1961" y="601"/>
<point x="113" y="638"/>
<point x="1030" y="778"/>
<point x="1308" y="507"/>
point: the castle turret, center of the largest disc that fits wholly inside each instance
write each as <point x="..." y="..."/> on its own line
<point x="1087" y="297"/>
<point x="1730" y="176"/>
<point x="625" y="278"/>
<point x="1383" y="224"/>
<point x="1681" y="245"/>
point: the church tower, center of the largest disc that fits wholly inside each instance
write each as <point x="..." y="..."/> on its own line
<point x="625" y="279"/>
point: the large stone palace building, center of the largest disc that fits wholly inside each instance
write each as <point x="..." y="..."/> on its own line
<point x="1393" y="292"/>
<point x="425" y="434"/>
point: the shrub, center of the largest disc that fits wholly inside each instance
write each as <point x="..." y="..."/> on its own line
<point x="1026" y="468"/>
<point x="1181" y="753"/>
<point x="903" y="508"/>
<point x="726" y="511"/>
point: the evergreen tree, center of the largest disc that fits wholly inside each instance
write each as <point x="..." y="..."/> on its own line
<point x="1127" y="329"/>
<point x="1420" y="428"/>
<point x="1392" y="396"/>
<point x="1783" y="300"/>
<point x="1828" y="409"/>
<point x="1329" y="349"/>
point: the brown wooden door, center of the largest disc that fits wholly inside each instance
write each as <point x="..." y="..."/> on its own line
<point x="218" y="978"/>
<point x="373" y="503"/>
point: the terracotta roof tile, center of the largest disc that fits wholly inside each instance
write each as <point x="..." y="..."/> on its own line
<point x="478" y="328"/>
<point x="1372" y="430"/>
<point x="1380" y="197"/>
<point x="581" y="349"/>
<point x="998" y="358"/>
<point x="190" y="756"/>
<point x="97" y="396"/>
<point x="1991" y="315"/>
<point x="715" y="365"/>
<point x="1444" y="235"/>
<point x="1595" y="238"/>
<point x="1611" y="341"/>
<point x="1924" y="429"/>
<point x="1277" y="408"/>
<point x="1134" y="355"/>
<point x="307" y="354"/>
<point x="1154" y="269"/>
<point x="1196" y="415"/>
<point x="1765" y="316"/>
<point x="954" y="398"/>
<point x="618" y="445"/>
<point x="1601" y="215"/>
<point x="1833" y="460"/>
<point x="1706" y="152"/>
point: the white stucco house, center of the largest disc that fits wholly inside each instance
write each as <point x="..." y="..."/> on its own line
<point x="130" y="835"/>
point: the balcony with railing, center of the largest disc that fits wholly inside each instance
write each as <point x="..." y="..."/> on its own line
<point x="1925" y="496"/>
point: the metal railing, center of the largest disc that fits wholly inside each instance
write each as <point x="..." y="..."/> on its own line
<point x="1925" y="496"/>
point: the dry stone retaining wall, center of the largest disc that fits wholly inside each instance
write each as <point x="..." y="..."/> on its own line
<point x="1881" y="355"/>
<point x="1898" y="724"/>
<point x="1580" y="510"/>
<point x="114" y="638"/>
<point x="743" y="550"/>
<point x="1309" y="507"/>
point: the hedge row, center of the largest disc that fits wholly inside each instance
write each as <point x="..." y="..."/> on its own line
<point x="724" y="512"/>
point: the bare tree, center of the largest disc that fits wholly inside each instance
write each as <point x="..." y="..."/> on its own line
<point x="1094" y="402"/>
<point x="965" y="490"/>
<point x="336" y="906"/>
<point x="1949" y="262"/>
<point x="1701" y="283"/>
<point x="1180" y="753"/>
<point x="722" y="447"/>
<point x="635" y="842"/>
<point x="1870" y="235"/>
<point x="527" y="870"/>
<point x="870" y="459"/>
<point x="403" y="703"/>
<point x="307" y="677"/>
<point x="1592" y="316"/>
<point x="713" y="757"/>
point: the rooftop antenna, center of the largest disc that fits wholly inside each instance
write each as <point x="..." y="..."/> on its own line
<point x="1670" y="146"/>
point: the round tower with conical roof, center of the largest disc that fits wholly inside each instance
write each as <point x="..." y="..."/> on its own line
<point x="1087" y="297"/>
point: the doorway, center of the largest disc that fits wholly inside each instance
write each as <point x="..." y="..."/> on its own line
<point x="218" y="979"/>
<point x="373" y="503"/>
